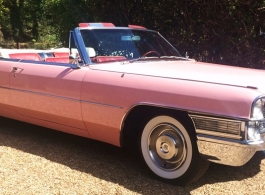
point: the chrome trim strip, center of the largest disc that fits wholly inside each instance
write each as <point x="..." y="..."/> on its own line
<point x="101" y="104"/>
<point x="2" y="87"/>
<point x="217" y="134"/>
<point x="65" y="98"/>
<point x="44" y="94"/>
<point x="72" y="66"/>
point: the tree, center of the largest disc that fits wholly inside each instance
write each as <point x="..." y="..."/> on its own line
<point x="224" y="31"/>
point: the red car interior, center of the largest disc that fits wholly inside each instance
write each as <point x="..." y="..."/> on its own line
<point x="25" y="56"/>
<point x="64" y="59"/>
<point x="61" y="54"/>
<point x="107" y="58"/>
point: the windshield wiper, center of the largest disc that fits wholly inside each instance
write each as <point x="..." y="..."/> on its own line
<point x="174" y="57"/>
<point x="158" y="58"/>
<point x="144" y="59"/>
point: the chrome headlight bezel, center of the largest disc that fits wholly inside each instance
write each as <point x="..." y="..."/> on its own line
<point x="257" y="110"/>
<point x="256" y="124"/>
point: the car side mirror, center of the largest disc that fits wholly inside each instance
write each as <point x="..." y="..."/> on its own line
<point x="73" y="59"/>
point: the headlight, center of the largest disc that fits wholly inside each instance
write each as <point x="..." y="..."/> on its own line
<point x="254" y="130"/>
<point x="256" y="126"/>
<point x="257" y="110"/>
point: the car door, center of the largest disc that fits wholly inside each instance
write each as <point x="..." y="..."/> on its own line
<point x="47" y="91"/>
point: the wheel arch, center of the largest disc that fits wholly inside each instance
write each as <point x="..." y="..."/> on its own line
<point x="138" y="115"/>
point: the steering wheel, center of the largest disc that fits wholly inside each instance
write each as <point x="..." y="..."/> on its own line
<point x="152" y="51"/>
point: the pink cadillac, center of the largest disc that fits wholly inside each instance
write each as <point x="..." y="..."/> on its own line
<point x="129" y="87"/>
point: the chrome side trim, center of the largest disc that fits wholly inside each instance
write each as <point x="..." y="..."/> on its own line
<point x="64" y="98"/>
<point x="48" y="63"/>
<point x="2" y="87"/>
<point x="218" y="126"/>
<point x="45" y="94"/>
<point x="101" y="104"/>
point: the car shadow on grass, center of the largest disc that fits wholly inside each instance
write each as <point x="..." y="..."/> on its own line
<point x="108" y="162"/>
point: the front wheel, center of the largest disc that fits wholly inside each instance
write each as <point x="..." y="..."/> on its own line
<point x="170" y="150"/>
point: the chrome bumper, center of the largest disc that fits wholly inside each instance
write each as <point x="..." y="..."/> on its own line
<point x="227" y="151"/>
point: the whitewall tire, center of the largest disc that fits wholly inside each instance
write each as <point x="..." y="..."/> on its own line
<point x="168" y="149"/>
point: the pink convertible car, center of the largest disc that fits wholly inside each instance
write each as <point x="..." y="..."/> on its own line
<point x="130" y="87"/>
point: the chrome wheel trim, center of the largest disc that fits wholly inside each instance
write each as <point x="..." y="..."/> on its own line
<point x="174" y="171"/>
<point x="167" y="147"/>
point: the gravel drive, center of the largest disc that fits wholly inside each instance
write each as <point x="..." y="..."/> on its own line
<point x="36" y="160"/>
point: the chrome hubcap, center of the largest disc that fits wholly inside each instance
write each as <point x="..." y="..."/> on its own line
<point x="167" y="147"/>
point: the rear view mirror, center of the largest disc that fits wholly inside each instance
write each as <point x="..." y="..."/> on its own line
<point x="130" y="38"/>
<point x="91" y="52"/>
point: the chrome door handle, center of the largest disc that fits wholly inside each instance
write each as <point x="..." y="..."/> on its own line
<point x="17" y="68"/>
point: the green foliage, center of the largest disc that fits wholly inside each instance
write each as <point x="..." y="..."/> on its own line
<point x="224" y="31"/>
<point x="65" y="16"/>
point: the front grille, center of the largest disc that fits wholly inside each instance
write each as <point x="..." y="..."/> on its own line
<point x="216" y="124"/>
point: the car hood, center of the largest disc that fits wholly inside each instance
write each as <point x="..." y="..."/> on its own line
<point x="191" y="70"/>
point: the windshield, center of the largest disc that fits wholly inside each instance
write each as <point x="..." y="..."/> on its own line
<point x="124" y="44"/>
